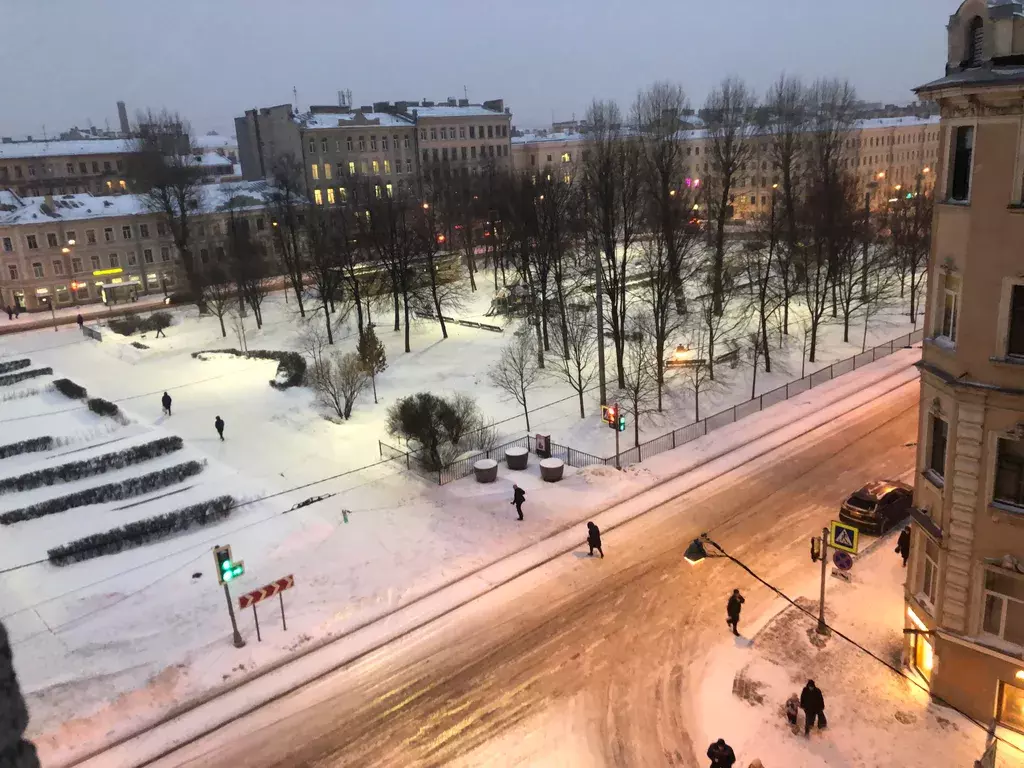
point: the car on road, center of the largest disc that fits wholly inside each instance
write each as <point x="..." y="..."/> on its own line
<point x="878" y="506"/>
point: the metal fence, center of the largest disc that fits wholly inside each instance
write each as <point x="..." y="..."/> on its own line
<point x="677" y="437"/>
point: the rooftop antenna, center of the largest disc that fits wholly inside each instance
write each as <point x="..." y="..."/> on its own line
<point x="44" y="132"/>
<point x="295" y="97"/>
<point x="465" y="92"/>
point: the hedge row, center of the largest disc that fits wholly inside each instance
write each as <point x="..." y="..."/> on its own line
<point x="125" y="489"/>
<point x="291" y="366"/>
<point x="78" y="470"/>
<point x="142" y="532"/>
<point x="27" y="446"/>
<point x="103" y="407"/>
<point x="14" y="378"/>
<point x="129" y="324"/>
<point x="15" y="365"/>
<point x="68" y="388"/>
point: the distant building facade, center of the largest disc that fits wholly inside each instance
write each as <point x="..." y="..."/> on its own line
<point x="965" y="582"/>
<point x="95" y="166"/>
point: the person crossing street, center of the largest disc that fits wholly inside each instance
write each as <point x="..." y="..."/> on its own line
<point x="518" y="497"/>
<point x="732" y="611"/>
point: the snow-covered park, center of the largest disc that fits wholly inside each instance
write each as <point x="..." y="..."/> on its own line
<point x="104" y="644"/>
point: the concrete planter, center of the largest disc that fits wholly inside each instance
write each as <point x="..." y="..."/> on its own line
<point x="486" y="470"/>
<point x="517" y="458"/>
<point x="551" y="470"/>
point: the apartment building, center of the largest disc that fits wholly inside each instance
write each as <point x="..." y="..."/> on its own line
<point x="81" y="248"/>
<point x="378" y="149"/>
<point x="965" y="581"/>
<point x="96" y="166"/>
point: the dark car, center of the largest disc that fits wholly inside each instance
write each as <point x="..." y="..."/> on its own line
<point x="878" y="506"/>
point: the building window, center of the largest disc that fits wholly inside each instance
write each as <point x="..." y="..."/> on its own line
<point x="408" y="166"/>
<point x="376" y="191"/>
<point x="433" y="134"/>
<point x="435" y="155"/>
<point x="472" y="153"/>
<point x="70" y="169"/>
<point x="8" y="245"/>
<point x="423" y="134"/>
<point x="490" y="150"/>
<point x="12" y="270"/>
<point x="37" y="269"/>
<point x="426" y="155"/>
<point x="406" y="143"/>
<point x="204" y="255"/>
<point x="1009" y="481"/>
<point x="69" y="236"/>
<point x="929" y="572"/>
<point x="82" y="168"/>
<point x="260" y="224"/>
<point x="108" y="234"/>
<point x="444" y="134"/>
<point x="114" y="261"/>
<point x="1004" y="607"/>
<point x="376" y="167"/>
<point x="95" y="262"/>
<point x="343" y="194"/>
<point x="566" y="157"/>
<point x="1015" y="342"/>
<point x="76" y="265"/>
<point x="106" y="165"/>
<point x="950" y="307"/>
<point x="132" y="260"/>
<point x="314" y="169"/>
<point x="126" y="232"/>
<point x="312" y="146"/>
<point x="122" y="185"/>
<point x="975" y="42"/>
<point x="373" y="143"/>
<point x="960" y="170"/>
<point x="351" y="168"/>
<point x="318" y="197"/>
<point x="219" y="252"/>
<point x="388" y="188"/>
<point x="362" y="143"/>
<point x="51" y="239"/>
<point x="323" y="146"/>
<point x="32" y="243"/>
<point x="937" y="451"/>
<point x="165" y="253"/>
<point x="58" y="267"/>
<point x="387" y="167"/>
<point x="328" y="171"/>
<point x="362" y="166"/>
<point x="384" y="143"/>
<point x="90" y="236"/>
<point x="330" y="195"/>
<point x="472" y="131"/>
<point x="444" y="153"/>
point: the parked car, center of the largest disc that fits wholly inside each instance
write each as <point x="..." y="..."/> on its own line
<point x="878" y="506"/>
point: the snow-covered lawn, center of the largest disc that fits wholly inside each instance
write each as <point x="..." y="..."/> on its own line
<point x="875" y="716"/>
<point x="105" y="644"/>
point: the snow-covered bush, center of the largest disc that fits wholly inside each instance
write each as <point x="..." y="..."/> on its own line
<point x="441" y="428"/>
<point x="157" y="321"/>
<point x="142" y="532"/>
<point x="291" y="366"/>
<point x="33" y="445"/>
<point x="68" y="388"/>
<point x="104" y="407"/>
<point x="14" y="378"/>
<point x="76" y="470"/>
<point x="14" y="365"/>
<point x="125" y="489"/>
<point x="125" y="326"/>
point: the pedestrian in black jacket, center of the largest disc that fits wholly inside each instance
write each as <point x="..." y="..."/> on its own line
<point x="813" y="705"/>
<point x="732" y="611"/>
<point x="721" y="755"/>
<point x="594" y="539"/>
<point x="80" y="320"/>
<point x="166" y="400"/>
<point x="518" y="497"/>
<point x="218" y="424"/>
<point x="903" y="545"/>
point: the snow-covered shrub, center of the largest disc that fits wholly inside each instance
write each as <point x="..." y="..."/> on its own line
<point x="68" y="388"/>
<point x="14" y="378"/>
<point x="441" y="427"/>
<point x="139" y="345"/>
<point x="104" y="407"/>
<point x="291" y="366"/>
<point x="14" y="365"/>
<point x="19" y="394"/>
<point x="125" y="489"/>
<point x="33" y="445"/>
<point x="142" y="532"/>
<point x="125" y="326"/>
<point x="77" y="470"/>
<point x="157" y="321"/>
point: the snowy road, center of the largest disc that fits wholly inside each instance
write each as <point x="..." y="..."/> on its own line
<point x="582" y="662"/>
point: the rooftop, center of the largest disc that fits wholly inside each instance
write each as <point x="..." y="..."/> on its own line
<point x="446" y="110"/>
<point x="24" y="149"/>
<point x="978" y="76"/>
<point x="214" y="141"/>
<point x="339" y="119"/>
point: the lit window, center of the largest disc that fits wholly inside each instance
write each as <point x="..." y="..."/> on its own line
<point x="110" y="185"/>
<point x="330" y="195"/>
<point x="351" y="168"/>
<point x="318" y="197"/>
<point x="315" y="170"/>
<point x="327" y="171"/>
<point x="343" y="194"/>
<point x="389" y="190"/>
<point x="376" y="167"/>
<point x="122" y="184"/>
<point x="387" y="167"/>
<point x="376" y="191"/>
<point x="566" y="157"/>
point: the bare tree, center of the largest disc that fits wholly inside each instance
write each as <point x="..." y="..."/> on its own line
<point x="338" y="379"/>
<point x="218" y="293"/>
<point x="850" y="264"/>
<point x="517" y="371"/>
<point x="576" y="366"/>
<point x="444" y="282"/>
<point x="287" y="204"/>
<point x="721" y="327"/>
<point x="248" y="259"/>
<point x="659" y="297"/>
<point x="761" y="256"/>
<point x="163" y="168"/>
<point x="322" y="248"/>
<point x="908" y="224"/>
<point x="786" y="123"/>
<point x="697" y="375"/>
<point x="730" y="120"/>
<point x="640" y="394"/>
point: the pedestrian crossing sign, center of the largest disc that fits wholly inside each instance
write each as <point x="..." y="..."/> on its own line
<point x="843" y="537"/>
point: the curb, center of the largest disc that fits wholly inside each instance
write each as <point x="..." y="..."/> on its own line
<point x="459" y="601"/>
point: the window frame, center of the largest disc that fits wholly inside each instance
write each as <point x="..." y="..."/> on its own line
<point x="954" y="295"/>
<point x="997" y="456"/>
<point x="936" y="476"/>
<point x="1005" y="599"/>
<point x="951" y="144"/>
<point x="927" y="583"/>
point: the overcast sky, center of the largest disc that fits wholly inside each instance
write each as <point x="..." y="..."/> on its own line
<point x="66" y="62"/>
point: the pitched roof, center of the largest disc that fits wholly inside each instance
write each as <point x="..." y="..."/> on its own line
<point x="24" y="149"/>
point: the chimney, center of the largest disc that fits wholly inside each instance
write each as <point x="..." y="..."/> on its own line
<point x="122" y="116"/>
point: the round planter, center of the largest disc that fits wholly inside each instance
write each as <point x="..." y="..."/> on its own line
<point x="486" y="470"/>
<point x="517" y="458"/>
<point x="551" y="470"/>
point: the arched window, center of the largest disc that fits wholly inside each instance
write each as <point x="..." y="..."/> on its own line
<point x="975" y="41"/>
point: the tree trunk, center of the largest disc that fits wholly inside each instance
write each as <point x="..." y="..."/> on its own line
<point x="223" y="330"/>
<point x="471" y="260"/>
<point x="526" y="413"/>
<point x="327" y="322"/>
<point x="579" y="392"/>
<point x="405" y="302"/>
<point x="373" y="381"/>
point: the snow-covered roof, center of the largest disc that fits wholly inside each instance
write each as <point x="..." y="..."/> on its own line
<point x="213" y="159"/>
<point x="533" y="138"/>
<point x="445" y="110"/>
<point x="896" y="122"/>
<point x="214" y="141"/>
<point x="35" y="210"/>
<point x="25" y="149"/>
<point x="338" y="119"/>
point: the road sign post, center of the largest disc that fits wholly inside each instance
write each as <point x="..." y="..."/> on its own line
<point x="256" y="618"/>
<point x="236" y="636"/>
<point x="822" y="627"/>
<point x="258" y="595"/>
<point x="615" y="426"/>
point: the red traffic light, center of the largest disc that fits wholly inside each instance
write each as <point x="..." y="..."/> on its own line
<point x="441" y="238"/>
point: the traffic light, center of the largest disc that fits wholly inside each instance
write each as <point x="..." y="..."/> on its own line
<point x="622" y="422"/>
<point x="227" y="568"/>
<point x="608" y="415"/>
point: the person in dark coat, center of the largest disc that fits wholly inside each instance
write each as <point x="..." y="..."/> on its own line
<point x="732" y="611"/>
<point x="594" y="539"/>
<point x="518" y="497"/>
<point x="813" y="705"/>
<point x="10" y="312"/>
<point x="721" y="755"/>
<point x="80" y="320"/>
<point x="166" y="401"/>
<point x="903" y="545"/>
<point x="218" y="424"/>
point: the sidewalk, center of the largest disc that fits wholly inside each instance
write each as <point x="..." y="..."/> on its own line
<point x="68" y="315"/>
<point x="668" y="476"/>
<point x="875" y="717"/>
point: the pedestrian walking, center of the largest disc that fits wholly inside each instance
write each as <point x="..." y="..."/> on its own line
<point x="518" y="497"/>
<point x="17" y="311"/>
<point x="166" y="401"/>
<point x="721" y="755"/>
<point x="903" y="545"/>
<point x="10" y="312"/>
<point x="80" y="320"/>
<point x="793" y="709"/>
<point x="218" y="424"/>
<point x="594" y="539"/>
<point x="732" y="611"/>
<point x="813" y="705"/>
<point x="160" y="332"/>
